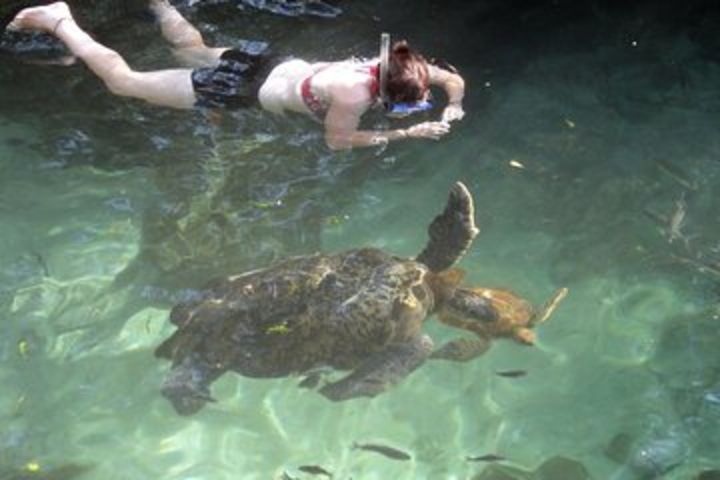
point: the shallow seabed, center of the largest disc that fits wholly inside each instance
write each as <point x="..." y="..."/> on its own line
<point x="587" y="127"/>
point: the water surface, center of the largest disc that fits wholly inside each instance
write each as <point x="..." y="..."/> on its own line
<point x="586" y="126"/>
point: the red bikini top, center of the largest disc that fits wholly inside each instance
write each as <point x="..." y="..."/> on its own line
<point x="317" y="107"/>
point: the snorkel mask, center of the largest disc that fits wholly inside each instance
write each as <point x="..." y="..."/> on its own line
<point x="395" y="109"/>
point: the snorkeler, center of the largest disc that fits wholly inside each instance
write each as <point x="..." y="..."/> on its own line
<point x="336" y="93"/>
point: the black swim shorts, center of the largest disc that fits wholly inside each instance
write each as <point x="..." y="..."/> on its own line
<point x="234" y="83"/>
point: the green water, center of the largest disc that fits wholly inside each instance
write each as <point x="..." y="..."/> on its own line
<point x="112" y="211"/>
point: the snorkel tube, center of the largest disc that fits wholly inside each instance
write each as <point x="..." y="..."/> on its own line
<point x="384" y="60"/>
<point x="395" y="109"/>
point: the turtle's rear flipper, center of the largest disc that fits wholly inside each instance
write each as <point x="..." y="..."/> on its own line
<point x="451" y="232"/>
<point x="381" y="371"/>
<point x="187" y="386"/>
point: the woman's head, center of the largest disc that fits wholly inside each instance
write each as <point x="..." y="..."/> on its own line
<point x="408" y="78"/>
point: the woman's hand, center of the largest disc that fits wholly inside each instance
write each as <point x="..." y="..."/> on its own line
<point x="433" y="130"/>
<point x="452" y="112"/>
<point x="454" y="87"/>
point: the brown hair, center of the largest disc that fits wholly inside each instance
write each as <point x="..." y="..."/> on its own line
<point x="408" y="77"/>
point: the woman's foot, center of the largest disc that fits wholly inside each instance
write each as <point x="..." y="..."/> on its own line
<point x="160" y="7"/>
<point x="45" y="18"/>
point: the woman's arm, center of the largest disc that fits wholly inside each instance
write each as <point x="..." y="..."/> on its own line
<point x="343" y="118"/>
<point x="454" y="87"/>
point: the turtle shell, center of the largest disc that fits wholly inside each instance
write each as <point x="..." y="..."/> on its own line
<point x="303" y="313"/>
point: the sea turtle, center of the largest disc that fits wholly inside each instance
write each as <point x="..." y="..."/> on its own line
<point x="360" y="310"/>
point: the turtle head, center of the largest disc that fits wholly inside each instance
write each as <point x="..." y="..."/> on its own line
<point x="497" y="313"/>
<point x="490" y="313"/>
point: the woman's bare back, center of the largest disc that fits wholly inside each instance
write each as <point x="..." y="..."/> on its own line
<point x="347" y="81"/>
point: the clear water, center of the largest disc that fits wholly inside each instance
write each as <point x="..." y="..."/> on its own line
<point x="112" y="211"/>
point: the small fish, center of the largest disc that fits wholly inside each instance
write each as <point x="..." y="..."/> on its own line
<point x="516" y="164"/>
<point x="389" y="452"/>
<point x="674" y="230"/>
<point x="491" y="457"/>
<point x="315" y="470"/>
<point x="569" y="123"/>
<point x="24" y="349"/>
<point x="511" y="373"/>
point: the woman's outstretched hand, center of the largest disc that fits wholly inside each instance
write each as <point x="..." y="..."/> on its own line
<point x="452" y="112"/>
<point x="433" y="130"/>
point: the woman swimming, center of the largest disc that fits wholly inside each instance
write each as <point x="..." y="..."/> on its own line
<point x="337" y="93"/>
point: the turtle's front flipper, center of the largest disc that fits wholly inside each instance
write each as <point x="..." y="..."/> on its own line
<point x="549" y="307"/>
<point x="451" y="232"/>
<point x="381" y="370"/>
<point x="462" y="349"/>
<point x="187" y="386"/>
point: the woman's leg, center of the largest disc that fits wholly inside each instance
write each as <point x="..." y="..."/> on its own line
<point x="171" y="88"/>
<point x="188" y="44"/>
